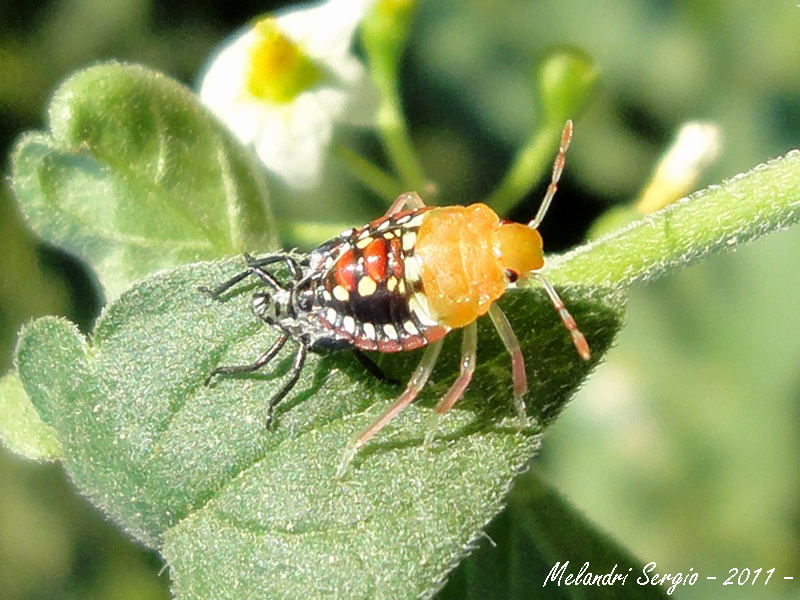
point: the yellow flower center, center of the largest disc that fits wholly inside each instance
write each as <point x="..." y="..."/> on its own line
<point x="395" y="8"/>
<point x="278" y="70"/>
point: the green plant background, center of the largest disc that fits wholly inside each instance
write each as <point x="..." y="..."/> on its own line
<point x="684" y="446"/>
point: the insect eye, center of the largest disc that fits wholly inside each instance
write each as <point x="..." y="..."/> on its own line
<point x="511" y="276"/>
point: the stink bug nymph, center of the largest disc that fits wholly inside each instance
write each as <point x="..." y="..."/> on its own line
<point x="403" y="282"/>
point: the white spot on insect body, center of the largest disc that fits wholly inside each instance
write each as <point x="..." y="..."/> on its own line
<point x="411" y="269"/>
<point x="416" y="221"/>
<point x="332" y="316"/>
<point x="349" y="324"/>
<point x="391" y="283"/>
<point x="390" y="331"/>
<point x="363" y="242"/>
<point x="418" y="304"/>
<point x="410" y="328"/>
<point x="341" y="294"/>
<point x="409" y="239"/>
<point x="366" y="286"/>
<point x="369" y="330"/>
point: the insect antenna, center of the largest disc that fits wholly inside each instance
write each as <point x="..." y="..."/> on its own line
<point x="558" y="168"/>
<point x="569" y="321"/>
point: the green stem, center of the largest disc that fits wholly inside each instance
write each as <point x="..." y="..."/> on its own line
<point x="384" y="33"/>
<point x="740" y="210"/>
<point x="377" y="180"/>
<point x="399" y="146"/>
<point x="529" y="165"/>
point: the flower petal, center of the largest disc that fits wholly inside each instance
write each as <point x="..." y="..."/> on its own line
<point x="292" y="137"/>
<point x="325" y="30"/>
<point x="293" y="145"/>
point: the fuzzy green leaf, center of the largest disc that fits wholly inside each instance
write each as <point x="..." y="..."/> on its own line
<point x="134" y="176"/>
<point x="242" y="511"/>
<point x="21" y="429"/>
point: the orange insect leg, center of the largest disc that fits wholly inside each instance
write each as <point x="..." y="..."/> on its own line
<point x="415" y="385"/>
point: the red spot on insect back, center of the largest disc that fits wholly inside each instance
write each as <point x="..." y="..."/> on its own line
<point x="345" y="271"/>
<point x="375" y="259"/>
<point x="397" y="259"/>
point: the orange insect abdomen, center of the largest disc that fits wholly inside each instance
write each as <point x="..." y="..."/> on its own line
<point x="460" y="273"/>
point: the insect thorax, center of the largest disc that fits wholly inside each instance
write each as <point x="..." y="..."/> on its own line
<point x="293" y="312"/>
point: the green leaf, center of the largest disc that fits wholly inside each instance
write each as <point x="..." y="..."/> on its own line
<point x="135" y="176"/>
<point x="21" y="429"/>
<point x="193" y="471"/>
<point x="540" y="530"/>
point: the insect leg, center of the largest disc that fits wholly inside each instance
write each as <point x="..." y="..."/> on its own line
<point x="569" y="322"/>
<point x="215" y="292"/>
<point x="415" y="384"/>
<point x="511" y="343"/>
<point x="558" y="168"/>
<point x="266" y="278"/>
<point x="297" y="367"/>
<point x="251" y="368"/>
<point x="469" y="350"/>
<point x="409" y="199"/>
<point x="288" y="260"/>
<point x="254" y="268"/>
<point x="371" y="366"/>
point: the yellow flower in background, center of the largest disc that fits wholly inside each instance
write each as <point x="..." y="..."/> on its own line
<point x="282" y="85"/>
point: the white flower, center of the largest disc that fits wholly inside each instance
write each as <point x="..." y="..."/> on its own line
<point x="283" y="84"/>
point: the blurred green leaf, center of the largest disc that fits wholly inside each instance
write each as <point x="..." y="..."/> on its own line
<point x="565" y="79"/>
<point x="135" y="176"/>
<point x="21" y="428"/>
<point x="538" y="530"/>
<point x="242" y="511"/>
